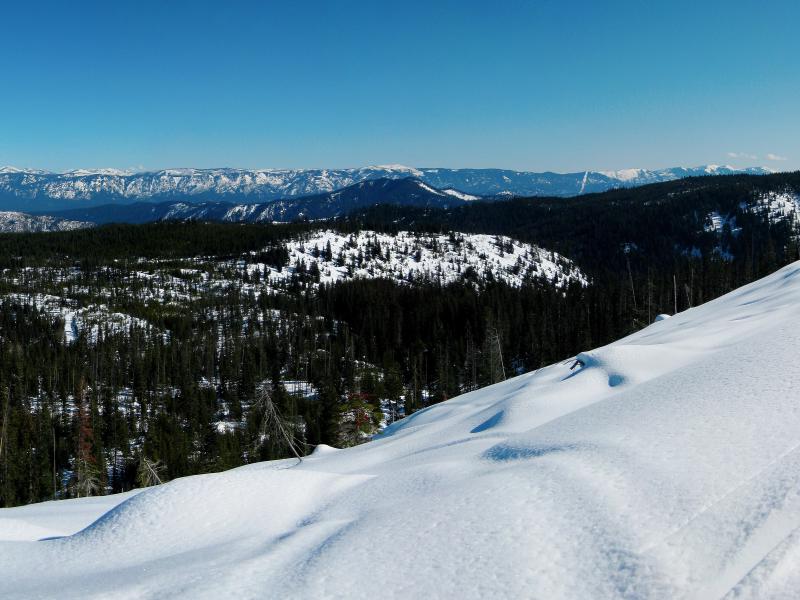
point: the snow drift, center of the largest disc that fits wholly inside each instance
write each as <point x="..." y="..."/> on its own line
<point x="668" y="465"/>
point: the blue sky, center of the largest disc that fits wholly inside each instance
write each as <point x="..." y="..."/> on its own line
<point x="535" y="85"/>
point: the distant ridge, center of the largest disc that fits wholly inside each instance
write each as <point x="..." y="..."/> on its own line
<point x="407" y="192"/>
<point x="36" y="190"/>
<point x="17" y="222"/>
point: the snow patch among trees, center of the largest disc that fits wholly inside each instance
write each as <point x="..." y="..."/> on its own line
<point x="413" y="257"/>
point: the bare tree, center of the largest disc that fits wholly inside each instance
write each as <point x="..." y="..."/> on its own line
<point x="497" y="369"/>
<point x="274" y="425"/>
<point x="86" y="476"/>
<point x="4" y="432"/>
<point x="149" y="472"/>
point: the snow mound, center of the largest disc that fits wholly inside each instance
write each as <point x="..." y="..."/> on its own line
<point x="323" y="449"/>
<point x="54" y="519"/>
<point x="664" y="465"/>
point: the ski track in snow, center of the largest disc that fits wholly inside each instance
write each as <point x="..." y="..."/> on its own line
<point x="668" y="466"/>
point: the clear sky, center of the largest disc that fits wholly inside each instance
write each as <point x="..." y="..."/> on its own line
<point x="534" y="85"/>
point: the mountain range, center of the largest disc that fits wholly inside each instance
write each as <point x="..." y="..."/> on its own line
<point x="33" y="190"/>
<point x="327" y="205"/>
<point x="776" y="196"/>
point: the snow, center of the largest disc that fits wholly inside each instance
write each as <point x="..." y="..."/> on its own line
<point x="714" y="222"/>
<point x="460" y="195"/>
<point x="399" y="168"/>
<point x="101" y="186"/>
<point x="408" y="256"/>
<point x="643" y="176"/>
<point x="777" y="206"/>
<point x="55" y="519"/>
<point x="624" y="174"/>
<point x="667" y="466"/>
<point x="428" y="188"/>
<point x="103" y="171"/>
<point x="18" y="222"/>
<point x="11" y="170"/>
<point x="584" y="179"/>
<point x="304" y="389"/>
<point x="90" y="318"/>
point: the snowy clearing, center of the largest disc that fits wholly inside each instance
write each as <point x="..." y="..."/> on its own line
<point x="778" y="206"/>
<point x="443" y="258"/>
<point x="666" y="466"/>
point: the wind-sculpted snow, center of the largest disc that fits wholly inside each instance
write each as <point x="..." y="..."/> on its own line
<point x="665" y="465"/>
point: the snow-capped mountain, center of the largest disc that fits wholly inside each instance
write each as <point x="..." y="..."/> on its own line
<point x="17" y="222"/>
<point x="36" y="190"/>
<point x="664" y="465"/>
<point x="490" y="182"/>
<point x="407" y="191"/>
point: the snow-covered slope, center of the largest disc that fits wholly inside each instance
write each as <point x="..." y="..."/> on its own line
<point x="777" y="206"/>
<point x="78" y="317"/>
<point x="781" y="206"/>
<point x="416" y="257"/>
<point x="665" y="465"/>
<point x="35" y="190"/>
<point x="55" y="519"/>
<point x="17" y="222"/>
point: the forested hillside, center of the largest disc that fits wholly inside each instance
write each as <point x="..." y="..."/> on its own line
<point x="131" y="354"/>
<point x="658" y="219"/>
<point x="673" y="244"/>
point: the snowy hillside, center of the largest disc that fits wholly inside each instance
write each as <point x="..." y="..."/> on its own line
<point x="413" y="257"/>
<point x="773" y="207"/>
<point x="778" y="206"/>
<point x="34" y="190"/>
<point x="665" y="465"/>
<point x="17" y="222"/>
<point x="92" y="319"/>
